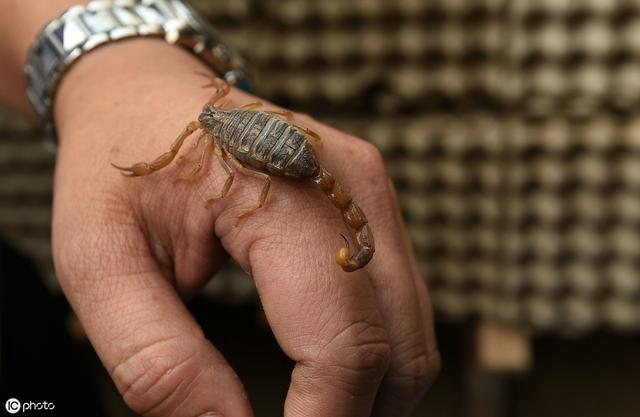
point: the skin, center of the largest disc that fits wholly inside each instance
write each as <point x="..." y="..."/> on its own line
<point x="129" y="252"/>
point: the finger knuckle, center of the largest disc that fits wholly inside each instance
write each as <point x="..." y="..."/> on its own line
<point x="156" y="378"/>
<point x="371" y="160"/>
<point x="414" y="375"/>
<point x="360" y="352"/>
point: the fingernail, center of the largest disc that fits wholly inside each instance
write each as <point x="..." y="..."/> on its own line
<point x="210" y="414"/>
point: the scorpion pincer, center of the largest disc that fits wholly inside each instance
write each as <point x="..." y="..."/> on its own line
<point x="260" y="143"/>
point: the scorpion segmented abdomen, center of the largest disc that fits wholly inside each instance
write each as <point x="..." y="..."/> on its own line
<point x="268" y="144"/>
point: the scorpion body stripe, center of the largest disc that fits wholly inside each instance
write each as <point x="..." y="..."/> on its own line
<point x="247" y="121"/>
<point x="244" y="150"/>
<point x="299" y="158"/>
<point x="266" y="146"/>
<point x="276" y="150"/>
<point x="294" y="157"/>
<point x="227" y="126"/>
<point x="279" y="159"/>
<point x="262" y="137"/>
<point x="251" y="134"/>
<point x="236" y="127"/>
<point x="292" y="144"/>
<point x="235" y="122"/>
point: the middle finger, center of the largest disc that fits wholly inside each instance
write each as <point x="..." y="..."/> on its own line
<point x="393" y="277"/>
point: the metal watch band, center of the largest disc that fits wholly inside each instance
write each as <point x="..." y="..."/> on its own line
<point x="84" y="27"/>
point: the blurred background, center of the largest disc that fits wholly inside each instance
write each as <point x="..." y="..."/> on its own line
<point x="511" y="131"/>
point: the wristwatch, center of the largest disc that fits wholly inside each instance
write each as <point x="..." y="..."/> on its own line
<point x="84" y="27"/>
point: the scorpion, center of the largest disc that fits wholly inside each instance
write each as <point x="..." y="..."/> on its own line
<point x="258" y="143"/>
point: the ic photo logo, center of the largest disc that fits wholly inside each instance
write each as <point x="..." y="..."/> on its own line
<point x="13" y="406"/>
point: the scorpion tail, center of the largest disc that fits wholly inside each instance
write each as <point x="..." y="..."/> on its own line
<point x="354" y="218"/>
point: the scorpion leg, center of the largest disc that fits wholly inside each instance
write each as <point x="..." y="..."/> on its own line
<point x="208" y="143"/>
<point x="265" y="188"/>
<point x="220" y="92"/>
<point x="195" y="145"/>
<point x="283" y="113"/>
<point x="290" y="118"/>
<point x="222" y="88"/>
<point x="213" y="80"/>
<point x="250" y="106"/>
<point x="220" y="154"/>
<point x="313" y="135"/>
<point x="354" y="218"/>
<point x="146" y="168"/>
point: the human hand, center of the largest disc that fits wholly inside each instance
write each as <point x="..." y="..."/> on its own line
<point x="129" y="251"/>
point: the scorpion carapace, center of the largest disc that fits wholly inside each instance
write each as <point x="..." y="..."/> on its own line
<point x="259" y="143"/>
